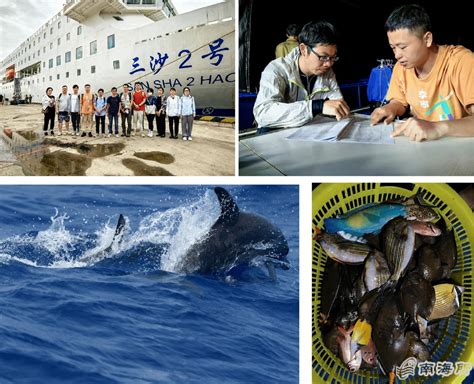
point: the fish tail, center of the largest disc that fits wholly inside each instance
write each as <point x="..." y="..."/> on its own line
<point x="362" y="332"/>
<point x="391" y="377"/>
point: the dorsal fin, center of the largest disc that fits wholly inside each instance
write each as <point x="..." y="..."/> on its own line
<point x="118" y="236"/>
<point x="229" y="209"/>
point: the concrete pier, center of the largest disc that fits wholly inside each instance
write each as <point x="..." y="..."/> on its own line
<point x="26" y="151"/>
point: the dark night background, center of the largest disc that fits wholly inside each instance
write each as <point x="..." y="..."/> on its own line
<point x="360" y="25"/>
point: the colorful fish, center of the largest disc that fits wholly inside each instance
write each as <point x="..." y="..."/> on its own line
<point x="372" y="218"/>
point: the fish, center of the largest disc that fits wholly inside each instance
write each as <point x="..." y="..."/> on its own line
<point x="446" y="250"/>
<point x="347" y="297"/>
<point x="376" y="271"/>
<point x="369" y="354"/>
<point x="342" y="250"/>
<point x="417" y="296"/>
<point x="330" y="290"/>
<point x="330" y="339"/>
<point x="425" y="228"/>
<point x="418" y="350"/>
<point x="391" y="337"/>
<point x="429" y="264"/>
<point x="399" y="244"/>
<point x="349" y="351"/>
<point x="368" y="309"/>
<point x="420" y="212"/>
<point x="370" y="219"/>
<point x="447" y="301"/>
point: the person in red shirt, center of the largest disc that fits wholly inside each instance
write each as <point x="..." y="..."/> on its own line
<point x="138" y="106"/>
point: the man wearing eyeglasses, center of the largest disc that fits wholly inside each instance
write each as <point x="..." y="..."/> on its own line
<point x="297" y="87"/>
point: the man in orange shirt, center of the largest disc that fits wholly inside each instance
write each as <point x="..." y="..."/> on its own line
<point x="435" y="81"/>
<point x="87" y="110"/>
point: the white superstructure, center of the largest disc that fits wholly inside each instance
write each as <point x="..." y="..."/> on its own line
<point x="107" y="43"/>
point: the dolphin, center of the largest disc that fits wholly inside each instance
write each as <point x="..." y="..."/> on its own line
<point x="236" y="238"/>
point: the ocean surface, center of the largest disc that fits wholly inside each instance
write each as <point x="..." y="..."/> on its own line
<point x="71" y="312"/>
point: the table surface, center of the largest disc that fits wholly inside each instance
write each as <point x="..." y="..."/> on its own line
<point x="273" y="155"/>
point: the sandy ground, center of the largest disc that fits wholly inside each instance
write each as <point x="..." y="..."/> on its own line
<point x="211" y="153"/>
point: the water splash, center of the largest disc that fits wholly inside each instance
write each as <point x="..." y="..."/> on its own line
<point x="57" y="240"/>
<point x="195" y="222"/>
<point x="179" y="228"/>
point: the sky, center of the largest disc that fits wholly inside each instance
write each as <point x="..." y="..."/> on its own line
<point x="21" y="18"/>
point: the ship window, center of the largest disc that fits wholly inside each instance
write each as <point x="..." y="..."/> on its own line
<point x="44" y="35"/>
<point x="59" y="41"/>
<point x="67" y="57"/>
<point x="51" y="31"/>
<point x="133" y="1"/>
<point x="44" y="79"/>
<point x="67" y="75"/>
<point x="78" y="72"/>
<point x="50" y="78"/>
<point x="110" y="41"/>
<point x="44" y="49"/>
<point x="116" y="64"/>
<point x="58" y="77"/>
<point x="58" y="60"/>
<point x="39" y="51"/>
<point x="93" y="69"/>
<point x="50" y="63"/>
<point x="44" y="64"/>
<point x="67" y="19"/>
<point x="118" y="18"/>
<point x="78" y="53"/>
<point x="93" y="47"/>
<point x="68" y="36"/>
<point x="148" y="1"/>
<point x="59" y="24"/>
<point x="79" y="29"/>
<point x="50" y="45"/>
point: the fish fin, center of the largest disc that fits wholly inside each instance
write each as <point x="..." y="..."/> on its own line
<point x="271" y="270"/>
<point x="418" y="199"/>
<point x="349" y="237"/>
<point x="362" y="332"/>
<point x="119" y="231"/>
<point x="371" y="216"/>
<point x="229" y="209"/>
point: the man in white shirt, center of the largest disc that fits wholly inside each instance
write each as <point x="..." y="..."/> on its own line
<point x="75" y="110"/>
<point x="297" y="87"/>
<point x="63" y="109"/>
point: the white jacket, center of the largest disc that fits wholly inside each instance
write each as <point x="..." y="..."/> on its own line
<point x="282" y="100"/>
<point x="47" y="101"/>
<point x="173" y="106"/>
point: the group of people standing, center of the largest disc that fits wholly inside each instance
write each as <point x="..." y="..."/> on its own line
<point x="132" y="107"/>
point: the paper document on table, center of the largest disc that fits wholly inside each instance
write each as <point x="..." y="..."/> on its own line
<point x="353" y="130"/>
<point x="362" y="132"/>
<point x="320" y="131"/>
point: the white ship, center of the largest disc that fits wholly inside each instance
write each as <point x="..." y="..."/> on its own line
<point x="108" y="43"/>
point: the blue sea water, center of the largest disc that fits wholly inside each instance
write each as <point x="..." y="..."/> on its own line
<point x="70" y="313"/>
